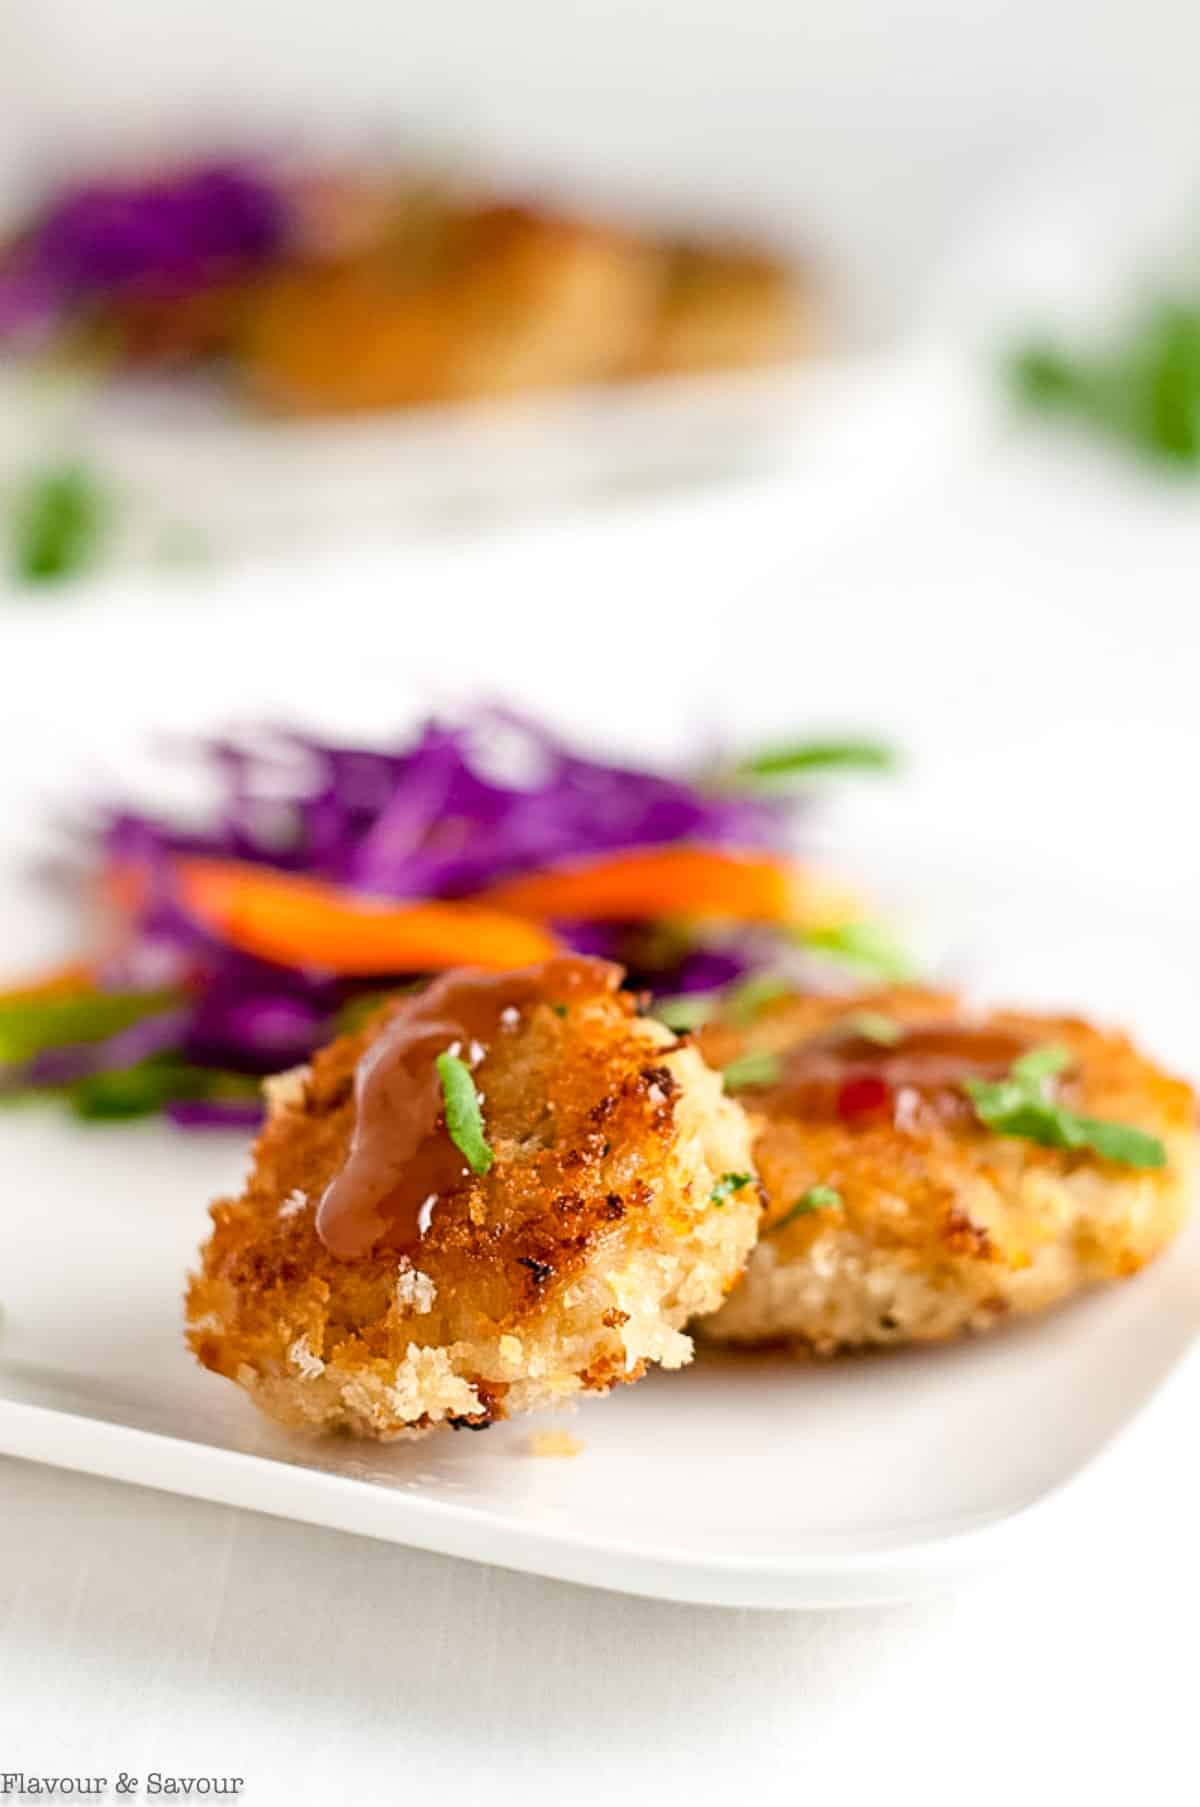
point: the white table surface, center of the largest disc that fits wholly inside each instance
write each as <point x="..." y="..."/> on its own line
<point x="144" y="1632"/>
<point x="1054" y="595"/>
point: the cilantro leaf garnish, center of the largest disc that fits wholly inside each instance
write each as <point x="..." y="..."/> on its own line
<point x="57" y="525"/>
<point x="727" y="1185"/>
<point x="1122" y="1142"/>
<point x="817" y="1198"/>
<point x="1039" y="1064"/>
<point x="464" y="1117"/>
<point x="799" y="759"/>
<point x="752" y="1069"/>
<point x="1021" y="1105"/>
<point x="874" y="1026"/>
<point x="866" y="947"/>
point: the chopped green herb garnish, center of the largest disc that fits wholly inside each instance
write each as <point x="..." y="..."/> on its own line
<point x="1039" y="1064"/>
<point x="744" y="1000"/>
<point x="752" y="1069"/>
<point x="464" y="1118"/>
<point x="800" y="759"/>
<point x="874" y="1026"/>
<point x="866" y="947"/>
<point x="1021" y="1105"/>
<point x="559" y="1009"/>
<point x="1121" y="1142"/>
<point x="817" y="1198"/>
<point x="690" y="1011"/>
<point x="57" y="525"/>
<point x="727" y="1185"/>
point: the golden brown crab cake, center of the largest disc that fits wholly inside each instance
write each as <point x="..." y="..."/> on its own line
<point x="489" y="301"/>
<point x="893" y="1213"/>
<point x="374" y="1278"/>
<point x="724" y="308"/>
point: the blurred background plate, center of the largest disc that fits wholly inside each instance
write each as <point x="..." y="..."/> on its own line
<point x="182" y="461"/>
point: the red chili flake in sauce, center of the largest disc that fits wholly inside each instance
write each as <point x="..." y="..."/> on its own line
<point x="866" y="1095"/>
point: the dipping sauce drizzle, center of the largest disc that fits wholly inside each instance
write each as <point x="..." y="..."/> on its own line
<point x="401" y="1158"/>
<point x="848" y="1076"/>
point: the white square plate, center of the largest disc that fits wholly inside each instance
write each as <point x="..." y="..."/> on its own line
<point x="739" y="1481"/>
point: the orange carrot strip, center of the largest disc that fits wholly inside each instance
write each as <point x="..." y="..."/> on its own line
<point x="678" y="881"/>
<point x="303" y="922"/>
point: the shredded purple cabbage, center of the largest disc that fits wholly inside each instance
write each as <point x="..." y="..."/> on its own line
<point x="438" y="818"/>
<point x="442" y="816"/>
<point x="166" y="235"/>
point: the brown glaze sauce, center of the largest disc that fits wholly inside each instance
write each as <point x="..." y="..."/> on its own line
<point x="401" y="1159"/>
<point x="848" y="1076"/>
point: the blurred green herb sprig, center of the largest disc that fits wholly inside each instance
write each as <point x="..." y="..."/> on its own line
<point x="59" y="517"/>
<point x="1142" y="388"/>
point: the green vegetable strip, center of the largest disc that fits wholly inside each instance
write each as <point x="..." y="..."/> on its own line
<point x="143" y="1089"/>
<point x="464" y="1118"/>
<point x="801" y="758"/>
<point x="30" y="1025"/>
<point x="150" y="1086"/>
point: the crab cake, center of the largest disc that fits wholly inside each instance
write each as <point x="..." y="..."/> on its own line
<point x="491" y="301"/>
<point x="507" y="1190"/>
<point x="895" y="1213"/>
<point x="726" y="308"/>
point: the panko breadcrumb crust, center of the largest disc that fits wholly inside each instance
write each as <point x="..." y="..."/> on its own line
<point x="572" y="1265"/>
<point x="944" y="1226"/>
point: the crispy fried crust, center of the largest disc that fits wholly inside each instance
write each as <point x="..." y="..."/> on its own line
<point x="944" y="1226"/>
<point x="571" y="1265"/>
